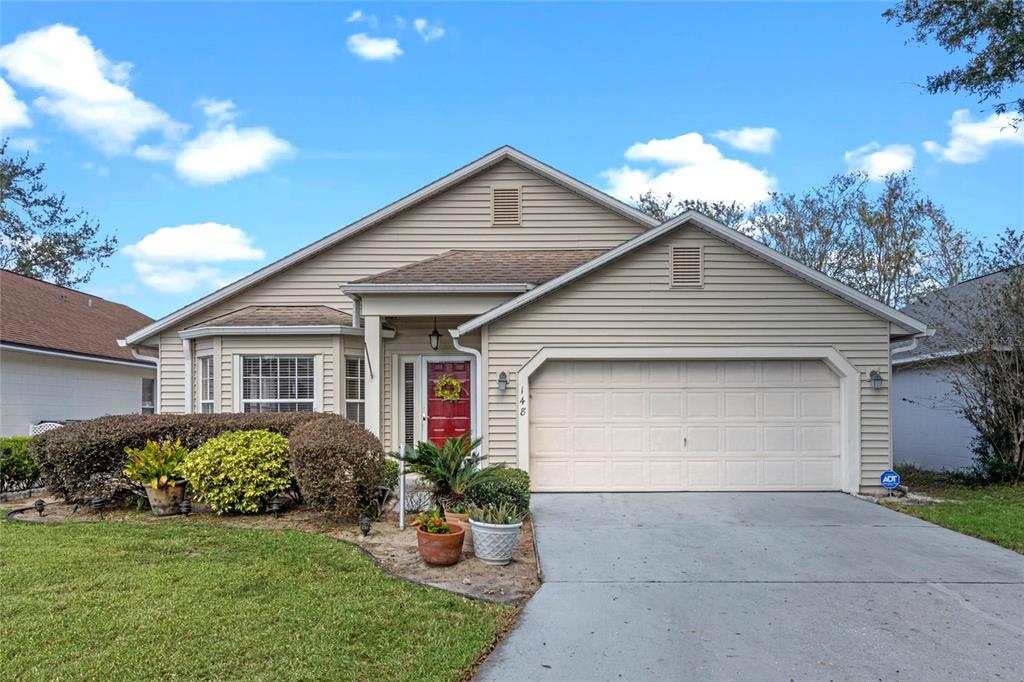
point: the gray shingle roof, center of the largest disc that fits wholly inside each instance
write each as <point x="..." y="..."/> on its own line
<point x="279" y="316"/>
<point x="491" y="266"/>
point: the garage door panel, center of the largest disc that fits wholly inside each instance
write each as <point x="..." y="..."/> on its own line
<point x="685" y="425"/>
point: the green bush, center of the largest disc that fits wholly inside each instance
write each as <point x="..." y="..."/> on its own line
<point x="18" y="471"/>
<point x="87" y="458"/>
<point x="340" y="467"/>
<point x="239" y="471"/>
<point x="511" y="487"/>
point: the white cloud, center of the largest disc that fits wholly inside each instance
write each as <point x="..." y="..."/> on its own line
<point x="689" y="168"/>
<point x="13" y="112"/>
<point x="969" y="140"/>
<point x="84" y="89"/>
<point x="219" y="243"/>
<point x="878" y="161"/>
<point x="217" y="111"/>
<point x="168" y="259"/>
<point x="428" y="31"/>
<point x="359" y="16"/>
<point x="758" y="140"/>
<point x="373" y="49"/>
<point x="175" y="279"/>
<point x="222" y="154"/>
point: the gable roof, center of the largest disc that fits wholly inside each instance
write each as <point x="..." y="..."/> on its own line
<point x="727" y="234"/>
<point x="485" y="266"/>
<point x="505" y="153"/>
<point x="43" y="316"/>
<point x="932" y="309"/>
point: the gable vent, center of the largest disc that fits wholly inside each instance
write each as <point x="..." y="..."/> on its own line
<point x="506" y="206"/>
<point x="687" y="266"/>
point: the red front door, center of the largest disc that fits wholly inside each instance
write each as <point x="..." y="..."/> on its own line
<point x="448" y="418"/>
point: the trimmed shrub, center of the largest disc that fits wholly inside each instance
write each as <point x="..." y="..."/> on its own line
<point x="339" y="466"/>
<point x="510" y="488"/>
<point x="74" y="459"/>
<point x="18" y="471"/>
<point x="239" y="471"/>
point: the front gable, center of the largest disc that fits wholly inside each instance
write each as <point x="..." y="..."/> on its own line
<point x="454" y="212"/>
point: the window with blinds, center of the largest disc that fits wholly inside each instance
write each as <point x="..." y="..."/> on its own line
<point x="355" y="389"/>
<point x="686" y="267"/>
<point x="506" y="206"/>
<point x="277" y="383"/>
<point x="206" y="384"/>
<point x="409" y="403"/>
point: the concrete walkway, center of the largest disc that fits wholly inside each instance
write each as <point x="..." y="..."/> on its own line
<point x="760" y="586"/>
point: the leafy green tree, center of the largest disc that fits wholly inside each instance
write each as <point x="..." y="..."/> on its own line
<point x="39" y="235"/>
<point x="991" y="32"/>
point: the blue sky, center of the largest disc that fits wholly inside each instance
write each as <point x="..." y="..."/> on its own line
<point x="272" y="125"/>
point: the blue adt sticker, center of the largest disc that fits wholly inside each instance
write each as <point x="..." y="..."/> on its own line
<point x="890" y="479"/>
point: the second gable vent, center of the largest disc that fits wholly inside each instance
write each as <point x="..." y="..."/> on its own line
<point x="506" y="206"/>
<point x="687" y="266"/>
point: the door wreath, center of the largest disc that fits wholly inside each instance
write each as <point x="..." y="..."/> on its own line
<point x="447" y="388"/>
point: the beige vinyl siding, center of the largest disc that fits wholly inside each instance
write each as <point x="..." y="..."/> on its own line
<point x="745" y="301"/>
<point x="553" y="217"/>
<point x="412" y="339"/>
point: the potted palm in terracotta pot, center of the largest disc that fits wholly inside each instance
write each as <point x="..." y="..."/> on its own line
<point x="157" y="466"/>
<point x="439" y="543"/>
<point x="496" y="529"/>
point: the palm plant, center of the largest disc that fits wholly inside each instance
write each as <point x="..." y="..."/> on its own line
<point x="451" y="469"/>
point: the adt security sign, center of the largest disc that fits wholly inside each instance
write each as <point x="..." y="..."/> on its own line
<point x="890" y="479"/>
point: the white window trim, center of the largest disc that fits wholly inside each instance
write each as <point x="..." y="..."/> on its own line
<point x="398" y="401"/>
<point x="344" y="379"/>
<point x="238" y="405"/>
<point x="150" y="406"/>
<point x="212" y="400"/>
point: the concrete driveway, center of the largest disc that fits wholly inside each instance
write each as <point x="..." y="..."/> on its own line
<point x="760" y="586"/>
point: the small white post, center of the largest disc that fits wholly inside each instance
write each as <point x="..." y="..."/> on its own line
<point x="401" y="488"/>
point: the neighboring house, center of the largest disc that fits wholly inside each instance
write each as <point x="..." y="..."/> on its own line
<point x="928" y="429"/>
<point x="578" y="337"/>
<point x="60" y="359"/>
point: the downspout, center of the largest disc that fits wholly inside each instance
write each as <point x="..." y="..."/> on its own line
<point x="478" y="393"/>
<point x="911" y="344"/>
<point x="150" y="359"/>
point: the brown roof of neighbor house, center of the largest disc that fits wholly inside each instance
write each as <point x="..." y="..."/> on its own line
<point x="43" y="315"/>
<point x="491" y="266"/>
<point x="279" y="316"/>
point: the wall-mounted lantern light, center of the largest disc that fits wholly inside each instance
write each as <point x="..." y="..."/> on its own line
<point x="876" y="380"/>
<point x="435" y="337"/>
<point x="502" y="381"/>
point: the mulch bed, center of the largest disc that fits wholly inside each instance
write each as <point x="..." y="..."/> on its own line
<point x="393" y="549"/>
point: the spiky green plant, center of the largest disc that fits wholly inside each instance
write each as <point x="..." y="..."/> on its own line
<point x="499" y="514"/>
<point x="451" y="469"/>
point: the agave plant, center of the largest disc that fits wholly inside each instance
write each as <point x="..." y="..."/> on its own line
<point x="452" y="469"/>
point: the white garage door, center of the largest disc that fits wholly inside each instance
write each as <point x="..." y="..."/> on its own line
<point x="684" y="425"/>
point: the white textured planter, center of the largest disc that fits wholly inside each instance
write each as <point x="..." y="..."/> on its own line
<point x="494" y="543"/>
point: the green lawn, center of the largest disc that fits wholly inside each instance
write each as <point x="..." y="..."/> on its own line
<point x="992" y="512"/>
<point x="179" y="600"/>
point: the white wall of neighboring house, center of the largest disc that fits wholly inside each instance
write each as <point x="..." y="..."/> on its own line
<point x="927" y="429"/>
<point x="36" y="388"/>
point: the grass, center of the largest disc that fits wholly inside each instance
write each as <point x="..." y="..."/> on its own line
<point x="991" y="512"/>
<point x="175" y="601"/>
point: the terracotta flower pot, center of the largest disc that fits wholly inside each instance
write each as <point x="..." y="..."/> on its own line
<point x="462" y="520"/>
<point x="441" y="550"/>
<point x="166" y="501"/>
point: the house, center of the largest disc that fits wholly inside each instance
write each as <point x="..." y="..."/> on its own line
<point x="60" y="360"/>
<point x="928" y="429"/>
<point x="581" y="339"/>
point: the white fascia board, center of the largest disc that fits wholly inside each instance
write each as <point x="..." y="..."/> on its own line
<point x="727" y="234"/>
<point x="436" y="288"/>
<point x="77" y="356"/>
<point x="434" y="188"/>
<point x="306" y="330"/>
